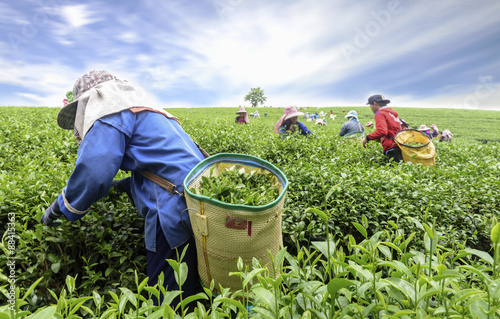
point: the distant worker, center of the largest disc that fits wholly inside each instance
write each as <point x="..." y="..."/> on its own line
<point x="321" y="122"/>
<point x="352" y="124"/>
<point x="332" y="115"/>
<point x="369" y="127"/>
<point x="435" y="131"/>
<point x="387" y="124"/>
<point x="446" y="136"/>
<point x="288" y="123"/>
<point x="427" y="131"/>
<point x="242" y="117"/>
<point x="265" y="114"/>
<point x="256" y="114"/>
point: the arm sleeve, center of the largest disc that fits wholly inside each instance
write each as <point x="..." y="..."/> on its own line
<point x="381" y="125"/>
<point x="303" y="129"/>
<point x="343" y="130"/>
<point x="283" y="133"/>
<point x="98" y="160"/>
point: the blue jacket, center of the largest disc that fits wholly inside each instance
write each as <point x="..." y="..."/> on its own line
<point x="302" y="130"/>
<point x="350" y="126"/>
<point x="144" y="141"/>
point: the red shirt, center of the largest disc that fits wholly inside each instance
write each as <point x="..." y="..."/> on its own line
<point x="387" y="124"/>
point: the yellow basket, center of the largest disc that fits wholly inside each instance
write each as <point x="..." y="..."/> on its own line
<point x="424" y="154"/>
<point x="224" y="232"/>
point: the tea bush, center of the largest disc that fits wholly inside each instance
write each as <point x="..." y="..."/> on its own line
<point x="352" y="185"/>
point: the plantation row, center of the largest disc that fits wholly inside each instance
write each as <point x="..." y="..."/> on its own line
<point x="393" y="226"/>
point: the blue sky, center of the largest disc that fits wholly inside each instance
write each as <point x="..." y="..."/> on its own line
<point x="205" y="53"/>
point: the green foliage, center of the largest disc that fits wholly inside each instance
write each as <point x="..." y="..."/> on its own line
<point x="255" y="96"/>
<point x="235" y="186"/>
<point x="364" y="238"/>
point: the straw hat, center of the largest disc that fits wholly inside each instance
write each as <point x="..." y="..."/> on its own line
<point x="423" y="127"/>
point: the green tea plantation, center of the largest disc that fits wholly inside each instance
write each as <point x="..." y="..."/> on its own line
<point x="363" y="238"/>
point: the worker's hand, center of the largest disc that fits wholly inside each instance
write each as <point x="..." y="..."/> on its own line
<point x="364" y="142"/>
<point x="51" y="214"/>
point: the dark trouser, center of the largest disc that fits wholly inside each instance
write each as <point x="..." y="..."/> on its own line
<point x="395" y="154"/>
<point x="157" y="264"/>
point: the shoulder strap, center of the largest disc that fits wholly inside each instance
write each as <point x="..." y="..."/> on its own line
<point x="163" y="183"/>
<point x="203" y="152"/>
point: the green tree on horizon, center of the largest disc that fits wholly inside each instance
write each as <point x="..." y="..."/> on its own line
<point x="255" y="96"/>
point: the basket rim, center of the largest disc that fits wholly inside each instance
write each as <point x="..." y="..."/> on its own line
<point x="242" y="159"/>
<point x="348" y="135"/>
<point x="410" y="146"/>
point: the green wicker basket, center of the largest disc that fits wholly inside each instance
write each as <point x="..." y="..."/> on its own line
<point x="224" y="232"/>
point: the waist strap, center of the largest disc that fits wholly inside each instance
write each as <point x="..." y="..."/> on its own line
<point x="163" y="183"/>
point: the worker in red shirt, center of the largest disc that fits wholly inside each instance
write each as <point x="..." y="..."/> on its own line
<point x="387" y="124"/>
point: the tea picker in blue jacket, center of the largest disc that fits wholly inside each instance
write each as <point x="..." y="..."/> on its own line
<point x="352" y="124"/>
<point x="116" y="129"/>
<point x="288" y="123"/>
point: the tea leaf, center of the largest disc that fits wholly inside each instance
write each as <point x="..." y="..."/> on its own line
<point x="318" y="212"/>
<point x="495" y="234"/>
<point x="338" y="283"/>
<point x="481" y="254"/>
<point x="361" y="229"/>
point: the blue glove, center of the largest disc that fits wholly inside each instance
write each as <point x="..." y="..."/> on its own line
<point x="51" y="214"/>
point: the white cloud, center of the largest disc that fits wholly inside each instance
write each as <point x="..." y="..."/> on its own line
<point x="39" y="84"/>
<point x="290" y="49"/>
<point x="79" y="15"/>
<point x="129" y="37"/>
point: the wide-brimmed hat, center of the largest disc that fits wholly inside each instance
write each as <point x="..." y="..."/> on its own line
<point x="352" y="113"/>
<point x="290" y="111"/>
<point x="66" y="116"/>
<point x="423" y="127"/>
<point x="241" y="110"/>
<point x="377" y="98"/>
